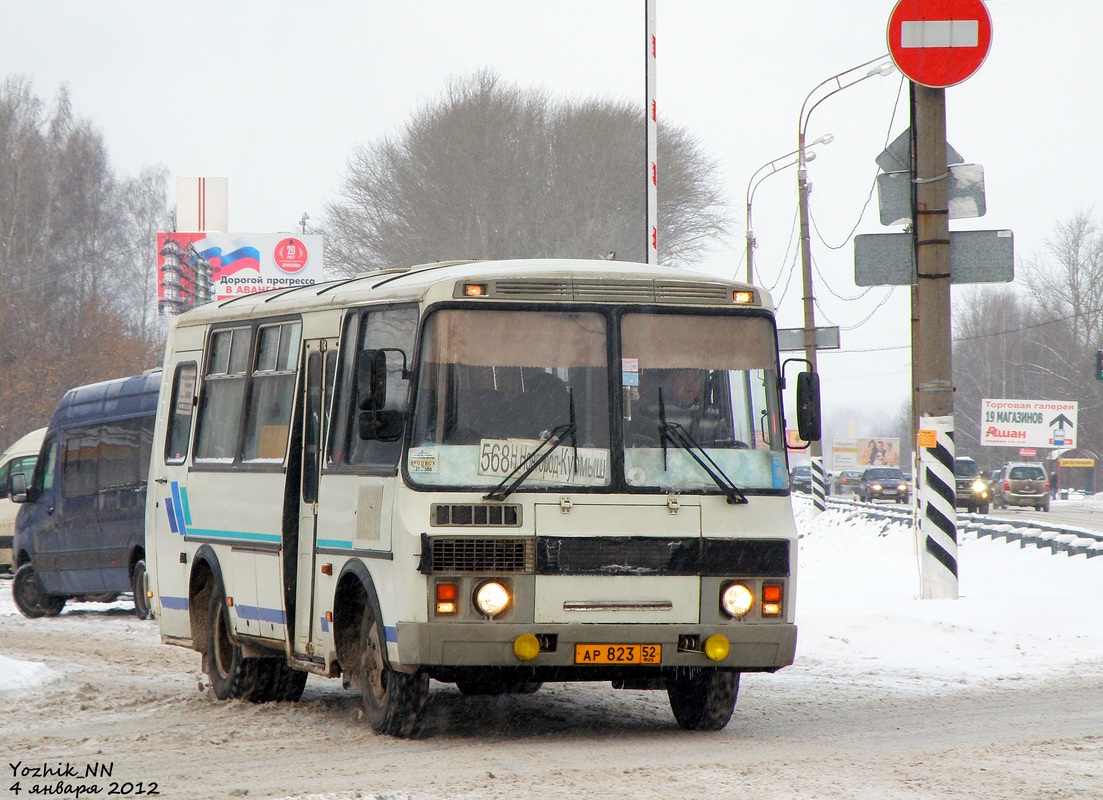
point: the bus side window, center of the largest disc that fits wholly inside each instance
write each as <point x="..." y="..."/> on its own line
<point x="393" y="327"/>
<point x="219" y="424"/>
<point x="180" y="417"/>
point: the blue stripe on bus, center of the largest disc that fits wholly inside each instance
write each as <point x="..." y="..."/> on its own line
<point x="335" y="543"/>
<point x="324" y="623"/>
<point x="210" y="533"/>
<point x="390" y="634"/>
<point x="172" y="515"/>
<point x="274" y="615"/>
<point x="177" y="507"/>
<point x="186" y="507"/>
<point x="174" y="603"/>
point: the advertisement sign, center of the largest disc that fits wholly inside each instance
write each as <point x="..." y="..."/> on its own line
<point x="1028" y="423"/>
<point x="880" y="451"/>
<point x="197" y="267"/>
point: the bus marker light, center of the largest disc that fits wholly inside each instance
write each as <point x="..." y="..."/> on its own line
<point x="327" y="569"/>
<point x="742" y="296"/>
<point x="717" y="647"/>
<point x="526" y="647"/>
<point x="229" y="601"/>
<point x="474" y="290"/>
<point x="329" y="616"/>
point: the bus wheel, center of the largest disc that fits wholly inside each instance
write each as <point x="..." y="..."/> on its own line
<point x="29" y="599"/>
<point x="394" y="702"/>
<point x="141" y="599"/>
<point x="231" y="674"/>
<point x="702" y="699"/>
<point x="277" y="681"/>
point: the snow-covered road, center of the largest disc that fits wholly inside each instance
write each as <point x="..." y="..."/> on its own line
<point x="996" y="695"/>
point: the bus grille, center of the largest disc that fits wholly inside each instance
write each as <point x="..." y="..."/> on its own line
<point x="619" y="291"/>
<point x="482" y="555"/>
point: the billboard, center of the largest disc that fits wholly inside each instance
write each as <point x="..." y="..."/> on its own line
<point x="1028" y="423"/>
<point x="198" y="267"/>
<point x="880" y="451"/>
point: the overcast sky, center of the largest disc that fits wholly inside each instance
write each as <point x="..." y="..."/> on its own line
<point x="275" y="95"/>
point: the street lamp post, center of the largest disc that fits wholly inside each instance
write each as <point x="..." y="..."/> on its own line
<point x="842" y="80"/>
<point x="774" y="167"/>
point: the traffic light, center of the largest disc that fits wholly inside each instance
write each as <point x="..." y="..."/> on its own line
<point x="1099" y="364"/>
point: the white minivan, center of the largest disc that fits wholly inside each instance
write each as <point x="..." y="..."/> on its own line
<point x="20" y="457"/>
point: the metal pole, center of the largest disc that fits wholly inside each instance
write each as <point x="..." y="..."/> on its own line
<point x="816" y="450"/>
<point x="932" y="349"/>
<point x="652" y="142"/>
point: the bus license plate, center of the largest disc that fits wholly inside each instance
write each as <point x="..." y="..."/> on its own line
<point x="618" y="653"/>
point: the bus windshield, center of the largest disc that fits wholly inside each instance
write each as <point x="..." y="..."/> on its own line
<point x="712" y="378"/>
<point x="493" y="384"/>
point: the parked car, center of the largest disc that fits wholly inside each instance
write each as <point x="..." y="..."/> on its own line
<point x="1022" y="485"/>
<point x="19" y="457"/>
<point x="848" y="481"/>
<point x="972" y="490"/>
<point x="800" y="478"/>
<point x="883" y="483"/>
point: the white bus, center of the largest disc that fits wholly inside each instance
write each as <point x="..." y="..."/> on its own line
<point x="493" y="474"/>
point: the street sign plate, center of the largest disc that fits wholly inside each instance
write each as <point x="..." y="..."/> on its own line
<point x="888" y="259"/>
<point x="965" y="194"/>
<point x="793" y="338"/>
<point x="939" y="43"/>
<point x="897" y="156"/>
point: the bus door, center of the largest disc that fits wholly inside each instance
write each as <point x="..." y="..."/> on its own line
<point x="320" y="358"/>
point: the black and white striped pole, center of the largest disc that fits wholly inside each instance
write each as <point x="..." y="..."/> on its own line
<point x="819" y="484"/>
<point x="936" y="523"/>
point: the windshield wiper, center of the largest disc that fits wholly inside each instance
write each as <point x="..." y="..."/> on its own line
<point x="678" y="436"/>
<point x="539" y="456"/>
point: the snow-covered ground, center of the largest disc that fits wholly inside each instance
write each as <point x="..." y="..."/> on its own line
<point x="1023" y="615"/>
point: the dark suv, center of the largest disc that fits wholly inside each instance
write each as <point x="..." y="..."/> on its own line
<point x="883" y="483"/>
<point x="973" y="492"/>
<point x="1022" y="485"/>
<point x="800" y="478"/>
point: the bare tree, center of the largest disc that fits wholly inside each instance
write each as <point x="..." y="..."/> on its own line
<point x="495" y="171"/>
<point x="71" y="236"/>
<point x="1039" y="345"/>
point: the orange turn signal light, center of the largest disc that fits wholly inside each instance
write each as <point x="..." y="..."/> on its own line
<point x="447" y="593"/>
<point x="474" y="290"/>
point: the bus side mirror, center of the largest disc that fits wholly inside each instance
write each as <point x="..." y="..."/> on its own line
<point x="18" y="484"/>
<point x="371" y="380"/>
<point x="808" y="406"/>
<point x="385" y="425"/>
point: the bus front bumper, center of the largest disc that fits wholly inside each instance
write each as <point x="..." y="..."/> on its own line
<point x="757" y="647"/>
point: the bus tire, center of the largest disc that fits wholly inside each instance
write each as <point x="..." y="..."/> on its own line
<point x="232" y="676"/>
<point x="29" y="599"/>
<point x="141" y="600"/>
<point x="275" y="681"/>
<point x="394" y="702"/>
<point x="702" y="699"/>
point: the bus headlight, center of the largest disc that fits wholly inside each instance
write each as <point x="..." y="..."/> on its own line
<point x="736" y="600"/>
<point x="492" y="598"/>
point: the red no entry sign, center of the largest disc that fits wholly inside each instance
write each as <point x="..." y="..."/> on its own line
<point x="939" y="43"/>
